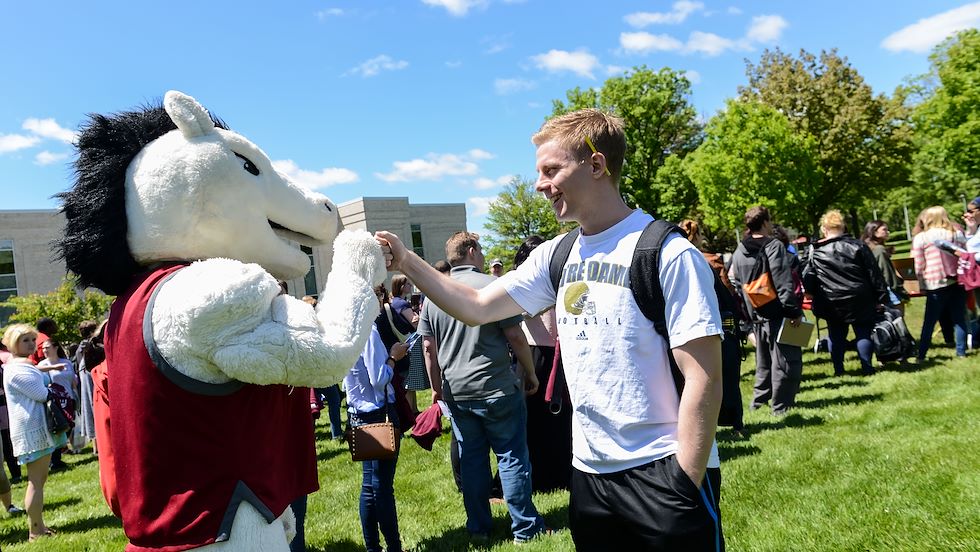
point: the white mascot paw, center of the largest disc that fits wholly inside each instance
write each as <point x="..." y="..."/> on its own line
<point x="289" y="524"/>
<point x="356" y="251"/>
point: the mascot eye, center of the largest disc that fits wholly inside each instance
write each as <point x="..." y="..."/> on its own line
<point x="249" y="166"/>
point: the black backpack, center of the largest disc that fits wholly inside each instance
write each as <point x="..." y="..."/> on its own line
<point x="644" y="282"/>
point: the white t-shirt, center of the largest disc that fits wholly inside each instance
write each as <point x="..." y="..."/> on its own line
<point x="64" y="377"/>
<point x="616" y="364"/>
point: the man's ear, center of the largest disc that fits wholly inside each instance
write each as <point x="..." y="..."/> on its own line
<point x="599" y="166"/>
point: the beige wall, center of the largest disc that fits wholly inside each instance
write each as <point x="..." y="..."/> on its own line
<point x="33" y="231"/>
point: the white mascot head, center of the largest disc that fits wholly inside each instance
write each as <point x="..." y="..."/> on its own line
<point x="171" y="183"/>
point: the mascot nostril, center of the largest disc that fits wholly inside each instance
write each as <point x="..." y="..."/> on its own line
<point x="199" y="336"/>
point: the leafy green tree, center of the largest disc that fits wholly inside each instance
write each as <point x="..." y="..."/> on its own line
<point x="518" y="213"/>
<point x="862" y="140"/>
<point x="65" y="305"/>
<point x="946" y="164"/>
<point x="751" y="155"/>
<point x="660" y="123"/>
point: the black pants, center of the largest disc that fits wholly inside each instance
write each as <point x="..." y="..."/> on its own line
<point x="651" y="507"/>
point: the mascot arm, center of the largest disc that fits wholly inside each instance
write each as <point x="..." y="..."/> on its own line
<point x="220" y="320"/>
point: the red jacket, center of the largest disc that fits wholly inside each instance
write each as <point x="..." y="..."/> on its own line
<point x="187" y="453"/>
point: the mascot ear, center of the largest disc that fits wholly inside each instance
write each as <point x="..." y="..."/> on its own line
<point x="189" y="116"/>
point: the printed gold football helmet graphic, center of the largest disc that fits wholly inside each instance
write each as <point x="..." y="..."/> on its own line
<point x="577" y="299"/>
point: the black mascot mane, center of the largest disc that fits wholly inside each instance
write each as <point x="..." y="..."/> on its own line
<point x="94" y="245"/>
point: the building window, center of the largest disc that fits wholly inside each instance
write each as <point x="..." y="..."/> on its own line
<point x="417" y="240"/>
<point x="8" y="278"/>
<point x="309" y="281"/>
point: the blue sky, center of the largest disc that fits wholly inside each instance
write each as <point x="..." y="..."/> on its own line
<point x="430" y="99"/>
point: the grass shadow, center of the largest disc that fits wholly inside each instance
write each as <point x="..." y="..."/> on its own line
<point x="61" y="503"/>
<point x="834" y="384"/>
<point x="458" y="538"/>
<point x="89" y="523"/>
<point x="339" y="546"/>
<point x="331" y="453"/>
<point x="87" y="459"/>
<point x="838" y="401"/>
<point x="729" y="450"/>
<point x="792" y="419"/>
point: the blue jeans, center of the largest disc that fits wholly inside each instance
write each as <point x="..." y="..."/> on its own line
<point x="331" y="396"/>
<point x="298" y="543"/>
<point x="838" y="341"/>
<point x="950" y="299"/>
<point x="377" y="507"/>
<point x="499" y="424"/>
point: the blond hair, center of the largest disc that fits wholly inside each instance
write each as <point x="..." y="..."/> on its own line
<point x="458" y="246"/>
<point x="569" y="131"/>
<point x="13" y="334"/>
<point x="936" y="217"/>
<point x="832" y="220"/>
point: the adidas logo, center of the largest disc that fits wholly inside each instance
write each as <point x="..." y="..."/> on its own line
<point x="581" y="336"/>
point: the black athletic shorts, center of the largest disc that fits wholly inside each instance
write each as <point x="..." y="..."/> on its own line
<point x="651" y="507"/>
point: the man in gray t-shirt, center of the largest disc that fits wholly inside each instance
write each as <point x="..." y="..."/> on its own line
<point x="469" y="367"/>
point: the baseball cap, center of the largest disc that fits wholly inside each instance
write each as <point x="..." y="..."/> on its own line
<point x="496" y="262"/>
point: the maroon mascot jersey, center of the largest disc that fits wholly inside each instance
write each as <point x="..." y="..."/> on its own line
<point x="188" y="453"/>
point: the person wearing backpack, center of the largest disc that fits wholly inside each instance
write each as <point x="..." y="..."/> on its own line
<point x="762" y="272"/>
<point x="646" y="470"/>
<point x="843" y="277"/>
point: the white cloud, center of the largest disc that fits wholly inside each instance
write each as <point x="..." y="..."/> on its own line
<point x="480" y="155"/>
<point x="377" y="64"/>
<point x="454" y="64"/>
<point x="458" y="8"/>
<point x="47" y="158"/>
<point x="49" y="128"/>
<point x="14" y="142"/>
<point x="709" y="44"/>
<point x="504" y="87"/>
<point x="496" y="44"/>
<point x="480" y="205"/>
<point x="734" y="10"/>
<point x="435" y="166"/>
<point x="314" y="179"/>
<point x="580" y="62"/>
<point x="616" y="69"/>
<point x="484" y="183"/>
<point x="922" y="35"/>
<point x="644" y="43"/>
<point x="328" y="13"/>
<point x="693" y="76"/>
<point x="766" y="28"/>
<point x="677" y="15"/>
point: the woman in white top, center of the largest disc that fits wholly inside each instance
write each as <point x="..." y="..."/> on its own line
<point x="26" y="389"/>
<point x="62" y="372"/>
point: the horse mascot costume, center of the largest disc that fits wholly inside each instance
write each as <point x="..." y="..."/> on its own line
<point x="190" y="226"/>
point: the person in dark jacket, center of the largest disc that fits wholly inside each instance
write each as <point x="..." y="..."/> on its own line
<point x="778" y="367"/>
<point x="875" y="235"/>
<point x="843" y="278"/>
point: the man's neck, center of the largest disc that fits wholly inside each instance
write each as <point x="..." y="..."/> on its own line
<point x="603" y="217"/>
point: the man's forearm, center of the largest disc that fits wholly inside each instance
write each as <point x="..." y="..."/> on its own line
<point x="697" y="418"/>
<point x="430" y="355"/>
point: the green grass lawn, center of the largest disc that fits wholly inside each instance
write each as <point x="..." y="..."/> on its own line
<point x="888" y="462"/>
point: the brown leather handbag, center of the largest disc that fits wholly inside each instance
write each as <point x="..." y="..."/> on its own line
<point x="377" y="441"/>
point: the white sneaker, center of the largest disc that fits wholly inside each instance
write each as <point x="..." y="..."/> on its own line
<point x="13" y="510"/>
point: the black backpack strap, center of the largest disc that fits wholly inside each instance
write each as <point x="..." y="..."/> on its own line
<point x="645" y="272"/>
<point x="559" y="257"/>
<point x="645" y="283"/>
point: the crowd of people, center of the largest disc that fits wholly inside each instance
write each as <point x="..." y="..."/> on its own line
<point x="555" y="366"/>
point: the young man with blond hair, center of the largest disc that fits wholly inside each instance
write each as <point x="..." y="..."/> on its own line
<point x="646" y="467"/>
